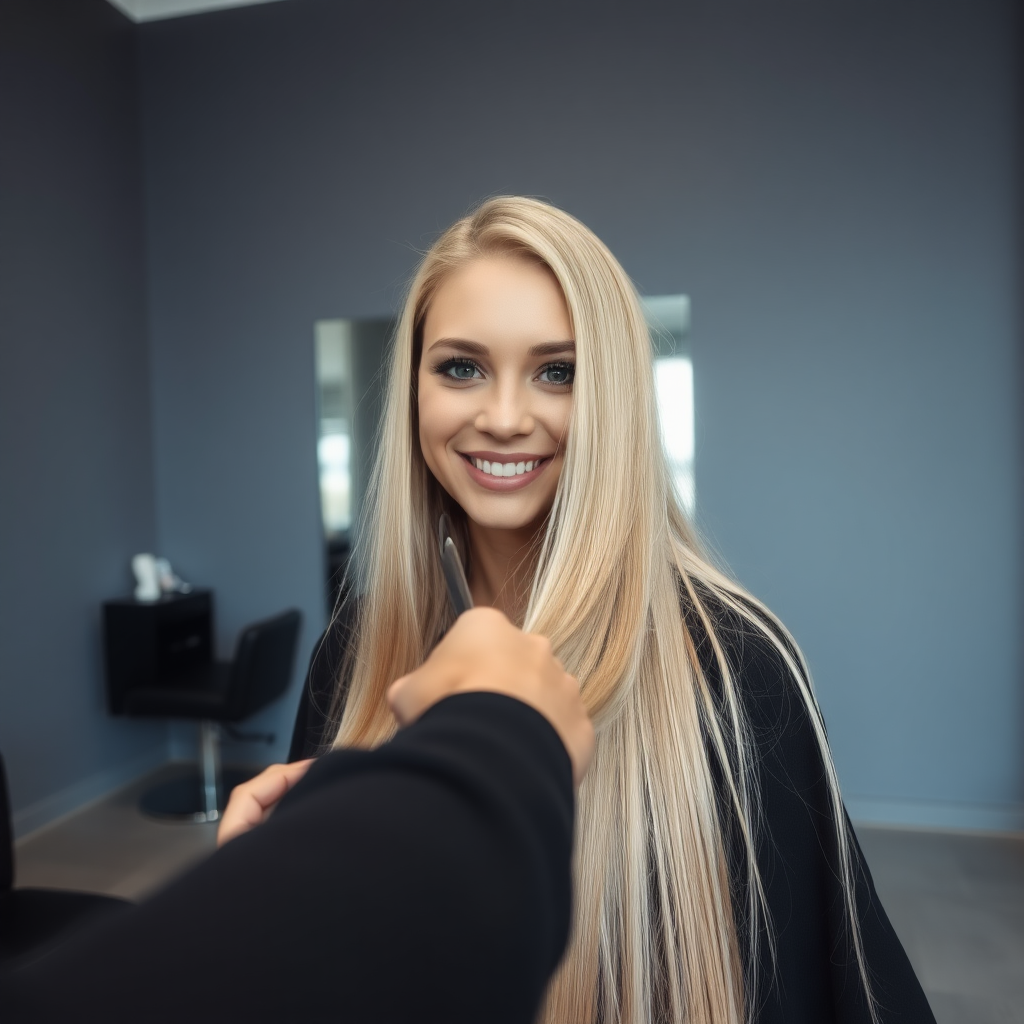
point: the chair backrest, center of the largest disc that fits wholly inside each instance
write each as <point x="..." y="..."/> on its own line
<point x="262" y="667"/>
<point x="6" y="835"/>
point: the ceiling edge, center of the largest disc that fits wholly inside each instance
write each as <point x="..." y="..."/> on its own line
<point x="157" y="10"/>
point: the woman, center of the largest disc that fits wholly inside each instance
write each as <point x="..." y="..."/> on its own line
<point x="717" y="879"/>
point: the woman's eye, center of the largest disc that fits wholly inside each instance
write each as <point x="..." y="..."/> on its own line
<point x="457" y="369"/>
<point x="558" y="373"/>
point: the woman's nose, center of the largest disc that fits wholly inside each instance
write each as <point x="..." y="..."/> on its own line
<point x="504" y="413"/>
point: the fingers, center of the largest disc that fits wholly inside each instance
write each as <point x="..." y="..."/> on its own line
<point x="251" y="802"/>
<point x="411" y="695"/>
<point x="448" y="666"/>
<point x="484" y="651"/>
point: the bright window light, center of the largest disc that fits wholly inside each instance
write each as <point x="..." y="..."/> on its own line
<point x="334" y="413"/>
<point x="668" y="319"/>
<point x="673" y="381"/>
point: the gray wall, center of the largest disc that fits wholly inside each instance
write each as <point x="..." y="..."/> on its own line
<point x="835" y="186"/>
<point x="75" y="441"/>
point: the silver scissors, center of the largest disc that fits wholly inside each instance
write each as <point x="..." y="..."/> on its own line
<point x="451" y="564"/>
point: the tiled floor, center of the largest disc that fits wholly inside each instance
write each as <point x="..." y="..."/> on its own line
<point x="955" y="899"/>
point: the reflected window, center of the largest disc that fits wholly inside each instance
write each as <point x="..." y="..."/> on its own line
<point x="668" y="319"/>
<point x="335" y="413"/>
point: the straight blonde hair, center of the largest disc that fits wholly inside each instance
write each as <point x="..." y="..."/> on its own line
<point x="655" y="933"/>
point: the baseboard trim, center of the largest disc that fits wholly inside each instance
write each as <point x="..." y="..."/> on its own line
<point x="925" y="814"/>
<point x="934" y="814"/>
<point x="57" y="806"/>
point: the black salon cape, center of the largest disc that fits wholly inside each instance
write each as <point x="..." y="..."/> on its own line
<point x="814" y="979"/>
<point x="425" y="881"/>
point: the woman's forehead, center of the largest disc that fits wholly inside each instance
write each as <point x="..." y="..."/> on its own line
<point x="498" y="300"/>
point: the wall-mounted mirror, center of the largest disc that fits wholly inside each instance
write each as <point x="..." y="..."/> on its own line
<point x="350" y="357"/>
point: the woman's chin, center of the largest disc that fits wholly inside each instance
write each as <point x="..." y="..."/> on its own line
<point x="486" y="516"/>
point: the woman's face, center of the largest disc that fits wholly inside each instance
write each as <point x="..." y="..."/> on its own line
<point x="495" y="389"/>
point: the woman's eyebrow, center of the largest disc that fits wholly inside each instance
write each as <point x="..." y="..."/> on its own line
<point x="553" y="348"/>
<point x="474" y="348"/>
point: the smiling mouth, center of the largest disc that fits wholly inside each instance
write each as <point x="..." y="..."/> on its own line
<point x="505" y="469"/>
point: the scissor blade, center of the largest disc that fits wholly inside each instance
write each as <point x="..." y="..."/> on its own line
<point x="455" y="577"/>
<point x="454" y="574"/>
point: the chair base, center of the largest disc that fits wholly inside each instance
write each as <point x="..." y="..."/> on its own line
<point x="182" y="799"/>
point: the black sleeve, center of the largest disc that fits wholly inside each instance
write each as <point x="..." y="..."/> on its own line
<point x="814" y="978"/>
<point x="425" y="881"/>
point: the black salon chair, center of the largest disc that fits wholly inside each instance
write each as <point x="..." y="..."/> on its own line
<point x="32" y="919"/>
<point x="218" y="694"/>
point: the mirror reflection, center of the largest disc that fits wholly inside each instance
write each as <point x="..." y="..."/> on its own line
<point x="350" y="355"/>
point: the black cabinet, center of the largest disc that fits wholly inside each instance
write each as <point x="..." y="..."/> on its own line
<point x="155" y="643"/>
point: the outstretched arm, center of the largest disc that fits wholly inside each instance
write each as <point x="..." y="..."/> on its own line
<point x="426" y="880"/>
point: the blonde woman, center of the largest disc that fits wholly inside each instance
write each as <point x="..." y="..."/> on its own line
<point x="717" y="879"/>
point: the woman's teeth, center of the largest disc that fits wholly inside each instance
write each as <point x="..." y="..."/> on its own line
<point x="505" y="468"/>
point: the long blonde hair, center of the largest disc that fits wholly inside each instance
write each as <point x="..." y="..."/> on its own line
<point x="655" y="936"/>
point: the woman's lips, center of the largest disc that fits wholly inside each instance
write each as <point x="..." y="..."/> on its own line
<point x="503" y="483"/>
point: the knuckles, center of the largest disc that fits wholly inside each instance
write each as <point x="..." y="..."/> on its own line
<point x="543" y="645"/>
